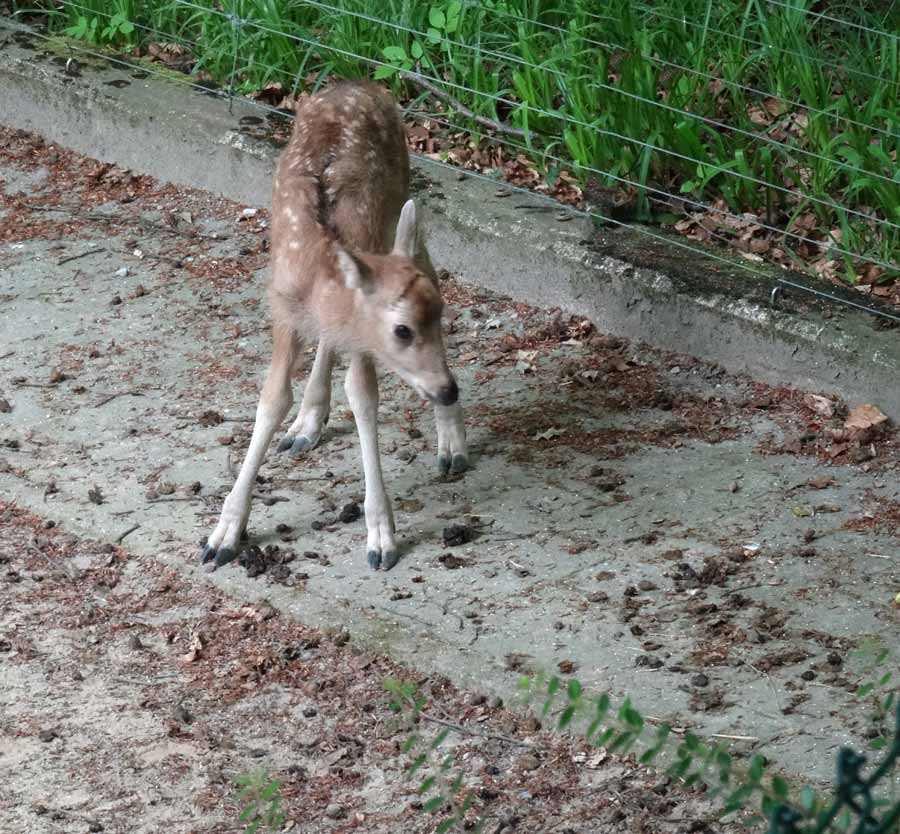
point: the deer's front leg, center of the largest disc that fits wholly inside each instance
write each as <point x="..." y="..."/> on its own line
<point x="362" y="392"/>
<point x="306" y="431"/>
<point x="451" y="437"/>
<point x="274" y="402"/>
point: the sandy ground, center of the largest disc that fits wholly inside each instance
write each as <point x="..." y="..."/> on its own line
<point x="724" y="552"/>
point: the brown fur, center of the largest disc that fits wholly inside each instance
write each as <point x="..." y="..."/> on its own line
<point x="345" y="177"/>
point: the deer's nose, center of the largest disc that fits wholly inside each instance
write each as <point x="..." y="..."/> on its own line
<point x="449" y="394"/>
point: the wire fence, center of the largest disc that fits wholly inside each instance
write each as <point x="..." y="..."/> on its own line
<point x="776" y="138"/>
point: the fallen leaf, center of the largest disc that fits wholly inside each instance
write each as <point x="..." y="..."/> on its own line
<point x="822" y="482"/>
<point x="821" y="405"/>
<point x="597" y="759"/>
<point x="549" y="434"/>
<point x="195" y="651"/>
<point x="865" y="417"/>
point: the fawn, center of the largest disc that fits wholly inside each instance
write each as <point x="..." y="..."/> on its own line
<point x="350" y="267"/>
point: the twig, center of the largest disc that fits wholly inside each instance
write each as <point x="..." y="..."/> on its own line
<point x="512" y="538"/>
<point x="7" y="354"/>
<point x="110" y="397"/>
<point x="84" y="254"/>
<point x="742" y="588"/>
<point x="174" y="498"/>
<point x="33" y="207"/>
<point x="136" y="682"/>
<point x="466" y="731"/>
<point x="771" y="685"/>
<point x="733" y="738"/>
<point x="500" y="127"/>
<point x="121" y="536"/>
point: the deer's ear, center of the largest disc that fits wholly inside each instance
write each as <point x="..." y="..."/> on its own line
<point x="354" y="272"/>
<point x="405" y="241"/>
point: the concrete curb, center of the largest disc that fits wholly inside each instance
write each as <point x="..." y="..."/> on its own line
<point x="629" y="284"/>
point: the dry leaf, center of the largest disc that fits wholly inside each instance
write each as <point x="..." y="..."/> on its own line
<point x="822" y="482"/>
<point x="865" y="417"/>
<point x="821" y="405"/>
<point x="549" y="434"/>
<point x="596" y="760"/>
<point x="195" y="651"/>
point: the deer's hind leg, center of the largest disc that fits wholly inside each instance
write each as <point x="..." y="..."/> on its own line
<point x="274" y="403"/>
<point x="306" y="431"/>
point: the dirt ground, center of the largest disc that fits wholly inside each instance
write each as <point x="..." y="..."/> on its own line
<point x="132" y="697"/>
<point x="724" y="552"/>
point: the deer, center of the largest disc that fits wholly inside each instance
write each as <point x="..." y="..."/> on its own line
<point x="349" y="267"/>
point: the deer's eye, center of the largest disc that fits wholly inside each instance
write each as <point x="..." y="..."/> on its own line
<point x="403" y="333"/>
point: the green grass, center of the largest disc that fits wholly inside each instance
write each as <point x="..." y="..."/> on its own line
<point x="585" y="79"/>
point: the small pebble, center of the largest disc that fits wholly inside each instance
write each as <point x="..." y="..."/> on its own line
<point x="700" y="680"/>
<point x="134" y="643"/>
<point x="334" y="811"/>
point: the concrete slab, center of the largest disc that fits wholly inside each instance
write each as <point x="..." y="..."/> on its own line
<point x="677" y="533"/>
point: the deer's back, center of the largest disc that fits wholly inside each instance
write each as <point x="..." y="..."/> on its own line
<point x="346" y="168"/>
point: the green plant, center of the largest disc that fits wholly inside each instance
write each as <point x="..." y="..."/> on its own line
<point x="116" y="29"/>
<point x="761" y="110"/>
<point x="879" y="693"/>
<point x="855" y="805"/>
<point x="261" y="800"/>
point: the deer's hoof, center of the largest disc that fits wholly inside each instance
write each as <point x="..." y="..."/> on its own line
<point x="296" y="445"/>
<point x="452" y="466"/>
<point x="384" y="561"/>
<point x="212" y="557"/>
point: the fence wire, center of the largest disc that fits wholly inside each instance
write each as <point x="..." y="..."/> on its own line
<point x="857" y="232"/>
